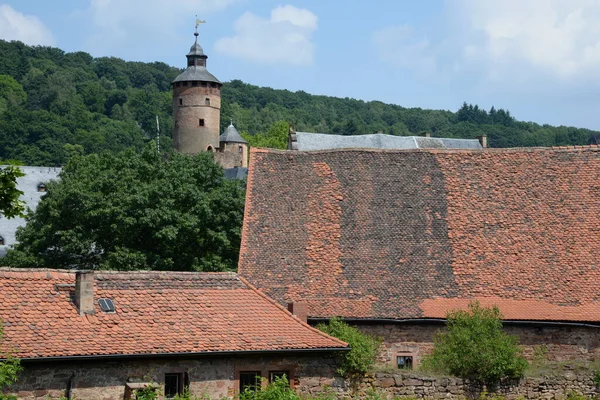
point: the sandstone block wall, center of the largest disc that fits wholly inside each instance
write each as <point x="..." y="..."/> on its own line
<point x="214" y="377"/>
<point x="553" y="343"/>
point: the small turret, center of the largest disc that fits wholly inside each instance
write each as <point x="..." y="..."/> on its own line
<point x="231" y="141"/>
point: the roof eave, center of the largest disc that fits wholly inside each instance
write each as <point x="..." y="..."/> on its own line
<point x="588" y="324"/>
<point x="96" y="357"/>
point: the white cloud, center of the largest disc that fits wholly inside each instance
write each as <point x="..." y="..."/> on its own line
<point x="557" y="37"/>
<point x="26" y="28"/>
<point x="401" y="46"/>
<point x="284" y="38"/>
<point x="118" y="26"/>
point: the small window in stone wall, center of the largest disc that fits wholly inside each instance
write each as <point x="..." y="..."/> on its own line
<point x="173" y="385"/>
<point x="213" y="85"/>
<point x="240" y="149"/>
<point x="180" y="101"/>
<point x="274" y="375"/>
<point x="404" y="362"/>
<point x="41" y="187"/>
<point x="203" y="84"/>
<point x="1" y="241"/>
<point x="249" y="380"/>
<point x="201" y="122"/>
<point x="207" y="101"/>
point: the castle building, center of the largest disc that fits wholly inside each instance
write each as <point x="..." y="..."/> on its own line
<point x="197" y="114"/>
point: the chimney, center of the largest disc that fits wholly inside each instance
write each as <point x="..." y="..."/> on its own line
<point x="292" y="139"/>
<point x="84" y="292"/>
<point x="427" y="134"/>
<point x="483" y="140"/>
<point x="299" y="310"/>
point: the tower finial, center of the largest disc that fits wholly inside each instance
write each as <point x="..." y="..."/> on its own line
<point x="198" y="22"/>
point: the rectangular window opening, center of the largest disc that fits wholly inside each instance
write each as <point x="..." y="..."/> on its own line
<point x="249" y="380"/>
<point x="201" y="122"/>
<point x="194" y="83"/>
<point x="180" y="102"/>
<point x="274" y="375"/>
<point x="404" y="362"/>
<point x="173" y="385"/>
<point x="203" y="84"/>
<point x="207" y="101"/>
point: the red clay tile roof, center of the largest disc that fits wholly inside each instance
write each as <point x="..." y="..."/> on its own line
<point x="156" y="312"/>
<point x="412" y="234"/>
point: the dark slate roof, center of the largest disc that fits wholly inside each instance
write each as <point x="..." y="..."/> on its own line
<point x="323" y="141"/>
<point x="155" y="313"/>
<point x="196" y="50"/>
<point x="415" y="233"/>
<point x="239" y="173"/>
<point x="194" y="73"/>
<point x="231" y="135"/>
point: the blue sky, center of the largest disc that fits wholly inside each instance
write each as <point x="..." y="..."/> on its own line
<point x="538" y="58"/>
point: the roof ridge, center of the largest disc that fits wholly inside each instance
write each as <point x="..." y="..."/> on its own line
<point x="290" y="315"/>
<point x="553" y="149"/>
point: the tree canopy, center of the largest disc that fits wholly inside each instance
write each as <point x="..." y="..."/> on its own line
<point x="55" y="105"/>
<point x="133" y="211"/>
<point x="10" y="205"/>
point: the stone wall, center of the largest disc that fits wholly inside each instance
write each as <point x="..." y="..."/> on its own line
<point x="554" y="343"/>
<point x="417" y="386"/>
<point x="215" y="377"/>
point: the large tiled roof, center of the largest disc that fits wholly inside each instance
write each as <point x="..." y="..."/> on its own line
<point x="156" y="313"/>
<point x="413" y="234"/>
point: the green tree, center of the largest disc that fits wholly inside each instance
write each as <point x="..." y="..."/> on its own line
<point x="134" y="211"/>
<point x="275" y="138"/>
<point x="364" y="348"/>
<point x="10" y="205"/>
<point x="474" y="346"/>
<point x="9" y="366"/>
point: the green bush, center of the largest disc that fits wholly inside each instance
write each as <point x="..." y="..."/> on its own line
<point x="9" y="366"/>
<point x="597" y="378"/>
<point x="475" y="347"/>
<point x="364" y="347"/>
<point x="278" y="390"/>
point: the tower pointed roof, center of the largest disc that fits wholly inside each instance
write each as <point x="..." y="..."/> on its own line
<point x="196" y="69"/>
<point x="231" y="135"/>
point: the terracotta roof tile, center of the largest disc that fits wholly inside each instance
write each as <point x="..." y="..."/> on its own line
<point x="156" y="312"/>
<point x="407" y="234"/>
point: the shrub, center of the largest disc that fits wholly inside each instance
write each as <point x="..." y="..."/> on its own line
<point x="9" y="366"/>
<point x="363" y="351"/>
<point x="278" y="390"/>
<point x="597" y="378"/>
<point x="475" y="347"/>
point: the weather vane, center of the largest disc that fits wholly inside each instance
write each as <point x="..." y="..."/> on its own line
<point x="198" y="22"/>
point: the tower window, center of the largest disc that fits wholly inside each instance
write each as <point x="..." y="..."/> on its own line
<point x="213" y="85"/>
<point x="203" y="84"/>
<point x="41" y="187"/>
<point x="194" y="83"/>
<point x="180" y="101"/>
<point x="240" y="149"/>
<point x="201" y="122"/>
<point x="177" y="84"/>
<point x="207" y="101"/>
<point x="1" y="241"/>
<point x="185" y="83"/>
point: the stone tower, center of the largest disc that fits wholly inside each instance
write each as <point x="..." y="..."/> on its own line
<point x="196" y="105"/>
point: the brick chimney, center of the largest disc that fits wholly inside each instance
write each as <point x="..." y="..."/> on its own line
<point x="427" y="134"/>
<point x="483" y="140"/>
<point x="299" y="309"/>
<point x="84" y="292"/>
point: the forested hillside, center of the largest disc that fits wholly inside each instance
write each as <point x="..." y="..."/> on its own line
<point x="55" y="104"/>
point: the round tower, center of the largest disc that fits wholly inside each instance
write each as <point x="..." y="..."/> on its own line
<point x="196" y="105"/>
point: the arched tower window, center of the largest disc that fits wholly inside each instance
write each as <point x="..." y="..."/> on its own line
<point x="41" y="187"/>
<point x="209" y="148"/>
<point x="2" y="241"/>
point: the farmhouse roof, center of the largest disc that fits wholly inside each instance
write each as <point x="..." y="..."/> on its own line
<point x="156" y="313"/>
<point x="379" y="234"/>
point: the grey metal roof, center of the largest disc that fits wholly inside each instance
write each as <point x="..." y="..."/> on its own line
<point x="196" y="73"/>
<point x="239" y="173"/>
<point x="196" y="50"/>
<point x="231" y="135"/>
<point x="323" y="141"/>
<point x="28" y="184"/>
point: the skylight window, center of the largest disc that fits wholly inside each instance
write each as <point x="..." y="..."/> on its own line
<point x="107" y="305"/>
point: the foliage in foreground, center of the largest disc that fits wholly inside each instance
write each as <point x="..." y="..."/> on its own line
<point x="9" y="366"/>
<point x="474" y="346"/>
<point x="135" y="211"/>
<point x="10" y="205"/>
<point x="361" y="358"/>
